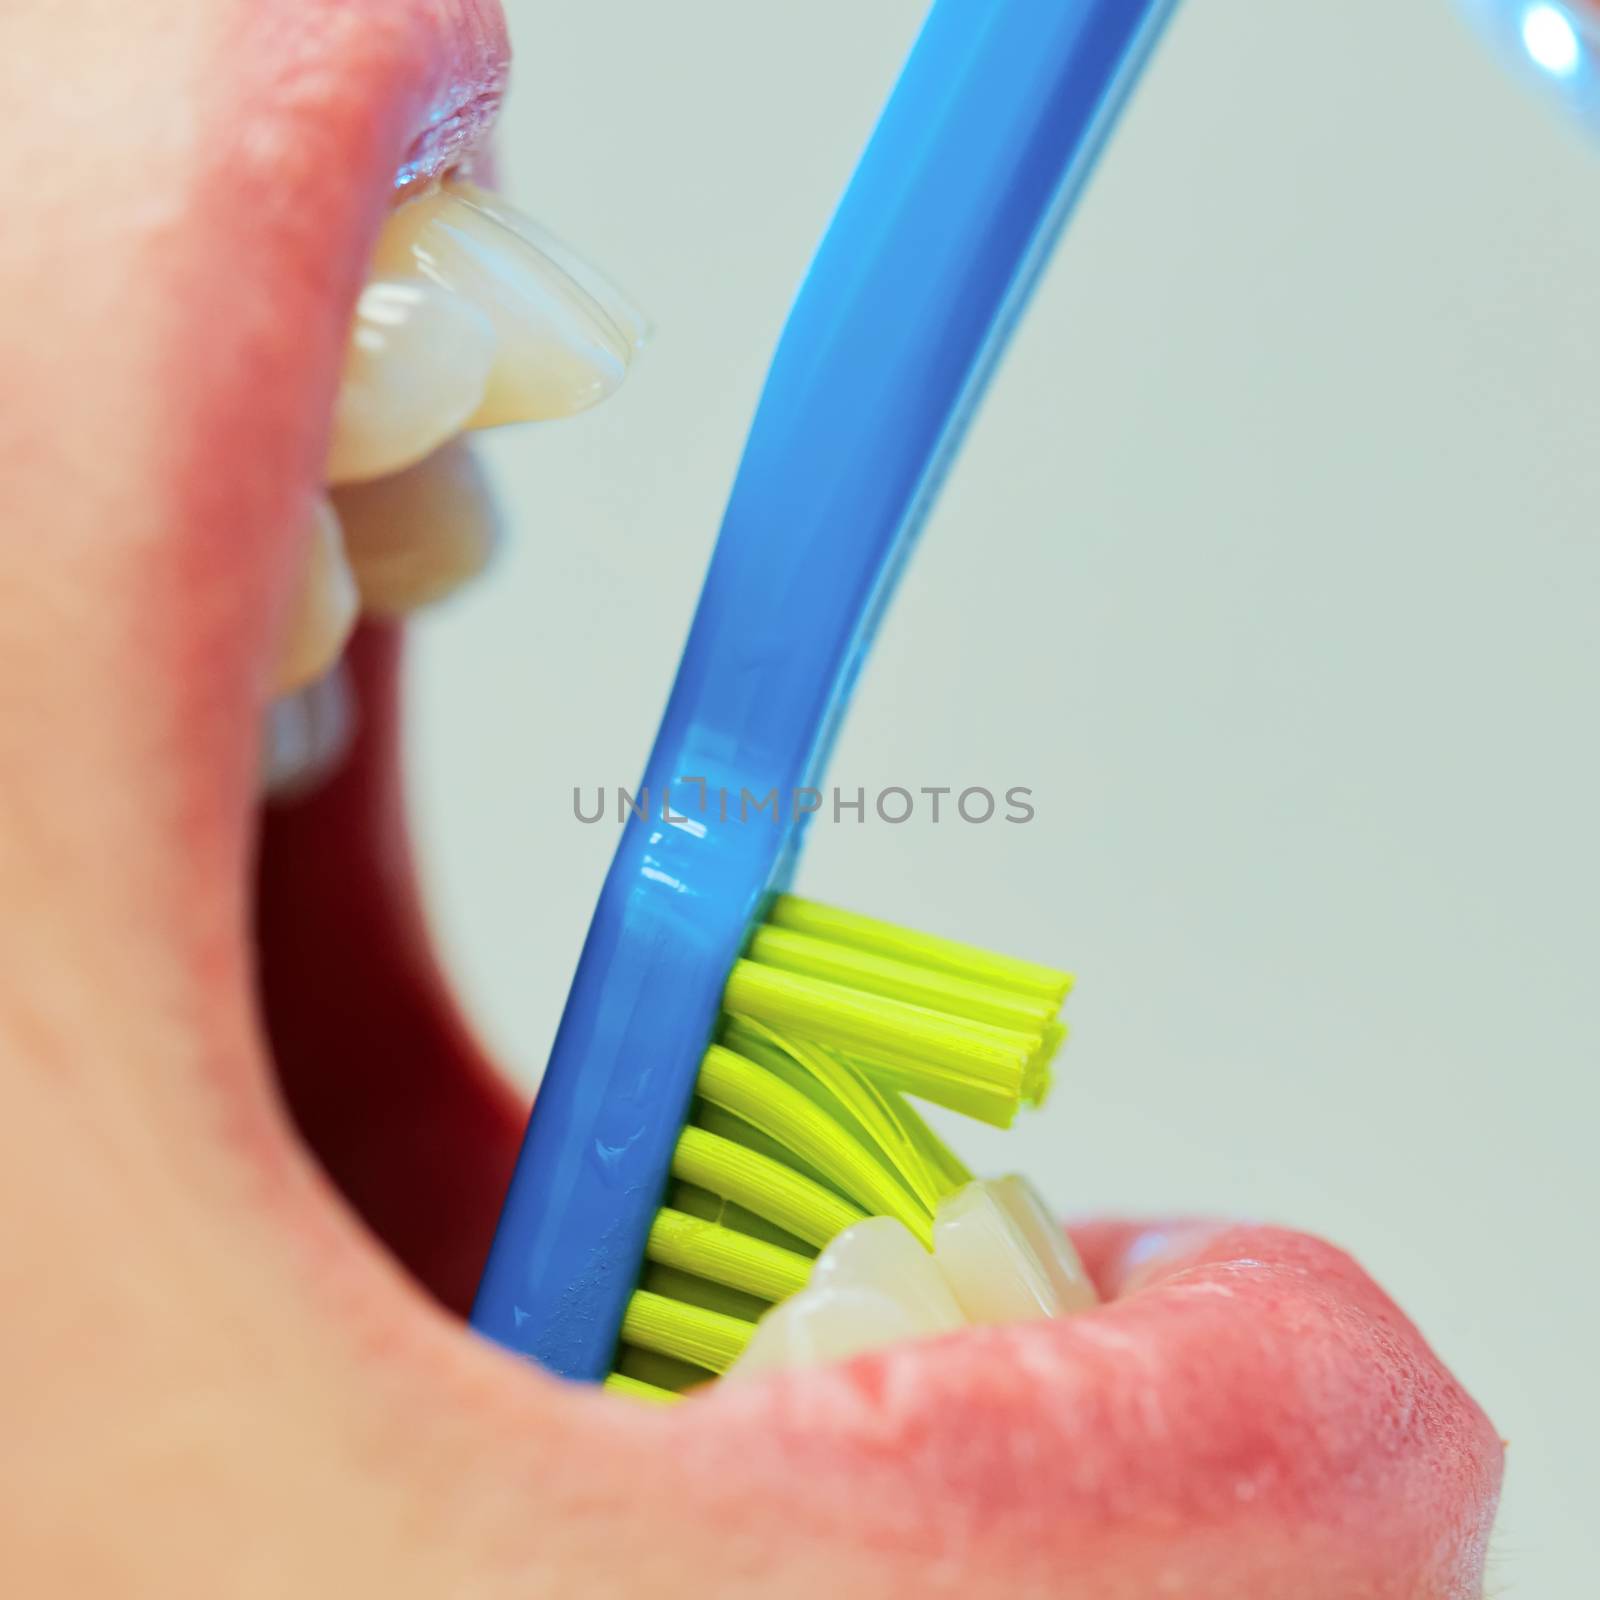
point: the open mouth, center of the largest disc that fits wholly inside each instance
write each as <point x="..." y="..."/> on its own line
<point x="467" y="319"/>
<point x="1246" y="1408"/>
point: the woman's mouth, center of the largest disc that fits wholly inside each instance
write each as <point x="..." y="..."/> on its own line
<point x="243" y="509"/>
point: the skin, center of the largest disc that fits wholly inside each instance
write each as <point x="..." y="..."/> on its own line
<point x="223" y="1373"/>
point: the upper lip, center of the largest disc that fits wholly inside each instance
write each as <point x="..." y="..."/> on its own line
<point x="1259" y="1382"/>
<point x="321" y="109"/>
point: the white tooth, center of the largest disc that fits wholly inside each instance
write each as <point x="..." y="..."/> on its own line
<point x="1051" y="1247"/>
<point x="988" y="1263"/>
<point x="416" y="369"/>
<point x="556" y="352"/>
<point x="325" y="609"/>
<point x="627" y="318"/>
<point x="874" y="1285"/>
<point x="414" y="537"/>
<point x="307" y="735"/>
<point x="817" y="1326"/>
<point x="883" y="1254"/>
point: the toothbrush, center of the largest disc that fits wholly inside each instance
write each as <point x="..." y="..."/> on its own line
<point x="993" y="127"/>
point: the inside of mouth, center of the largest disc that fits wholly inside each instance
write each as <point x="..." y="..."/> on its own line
<point x="378" y="1069"/>
<point x="472" y="316"/>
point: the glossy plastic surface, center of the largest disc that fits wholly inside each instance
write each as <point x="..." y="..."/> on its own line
<point x="1553" y="45"/>
<point x="991" y="130"/>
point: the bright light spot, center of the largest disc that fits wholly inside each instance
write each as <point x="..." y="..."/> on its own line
<point x="1551" y="40"/>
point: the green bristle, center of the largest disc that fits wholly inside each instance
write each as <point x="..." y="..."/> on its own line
<point x="638" y="1389"/>
<point x="660" y="1372"/>
<point x="845" y="1094"/>
<point x="725" y="1256"/>
<point x="691" y="1333"/>
<point x="694" y="1290"/>
<point x="804" y="953"/>
<point x="696" y="1201"/>
<point x="972" y="1067"/>
<point x="936" y="1154"/>
<point x="736" y="1216"/>
<point x="784" y="1113"/>
<point x="927" y="950"/>
<point x="700" y="1202"/>
<point x="800" y="1126"/>
<point x="727" y="1126"/>
<point x="763" y="1185"/>
<point x="770" y="1186"/>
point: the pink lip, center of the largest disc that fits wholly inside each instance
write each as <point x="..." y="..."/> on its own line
<point x="1248" y="1410"/>
<point x="1248" y="1397"/>
<point x="314" y="115"/>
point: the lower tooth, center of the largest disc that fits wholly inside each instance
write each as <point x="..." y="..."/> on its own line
<point x="307" y="735"/>
<point x="883" y="1254"/>
<point x="325" y="609"/>
<point x="818" y="1326"/>
<point x="1051" y="1247"/>
<point x="874" y="1285"/>
<point x="416" y="536"/>
<point x="988" y="1261"/>
<point x="998" y="1256"/>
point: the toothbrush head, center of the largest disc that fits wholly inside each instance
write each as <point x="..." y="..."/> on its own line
<point x="801" y="1140"/>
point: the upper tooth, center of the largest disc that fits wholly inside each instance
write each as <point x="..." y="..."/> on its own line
<point x="874" y="1285"/>
<point x="325" y="608"/>
<point x="556" y="352"/>
<point x="417" y="535"/>
<point x="624" y="315"/>
<point x="417" y="367"/>
<point x="1053" y="1250"/>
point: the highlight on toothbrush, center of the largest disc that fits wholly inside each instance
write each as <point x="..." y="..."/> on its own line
<point x="727" y="1168"/>
<point x="1552" y="45"/>
<point x="1551" y="40"/>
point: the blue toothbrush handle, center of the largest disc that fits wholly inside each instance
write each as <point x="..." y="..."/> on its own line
<point x="992" y="129"/>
